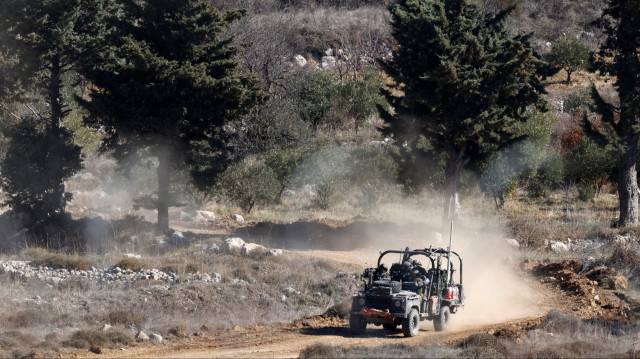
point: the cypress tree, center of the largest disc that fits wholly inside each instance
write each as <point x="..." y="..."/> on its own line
<point x="41" y="43"/>
<point x="461" y="83"/>
<point x="621" y="23"/>
<point x="169" y="86"/>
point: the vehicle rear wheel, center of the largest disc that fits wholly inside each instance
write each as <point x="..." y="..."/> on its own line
<point x="357" y="324"/>
<point x="411" y="324"/>
<point x="441" y="323"/>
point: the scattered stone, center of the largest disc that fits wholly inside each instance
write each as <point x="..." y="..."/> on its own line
<point x="328" y="52"/>
<point x="289" y="291"/>
<point x="205" y="216"/>
<point x="283" y="298"/>
<point x="621" y="240"/>
<point x="106" y="327"/>
<point x="142" y="337"/>
<point x="155" y="338"/>
<point x="512" y="242"/>
<point x="178" y="239"/>
<point x="327" y="62"/>
<point x="216" y="277"/>
<point x="300" y="60"/>
<point x="289" y="193"/>
<point x="249" y="249"/>
<point x="275" y="252"/>
<point x="238" y="218"/>
<point x="131" y="255"/>
<point x="559" y="247"/>
<point x="232" y="245"/>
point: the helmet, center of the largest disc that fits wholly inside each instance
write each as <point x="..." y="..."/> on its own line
<point x="383" y="267"/>
<point x="406" y="264"/>
<point x="416" y="262"/>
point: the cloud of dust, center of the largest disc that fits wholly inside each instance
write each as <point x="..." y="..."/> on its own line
<point x="494" y="292"/>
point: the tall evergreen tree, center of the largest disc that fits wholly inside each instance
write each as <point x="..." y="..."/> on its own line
<point x="169" y="86"/>
<point x="461" y="82"/>
<point x="41" y="42"/>
<point x="621" y="23"/>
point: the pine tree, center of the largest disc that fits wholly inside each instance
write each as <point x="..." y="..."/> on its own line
<point x="41" y="43"/>
<point x="621" y="23"/>
<point x="461" y="82"/>
<point x="169" y="86"/>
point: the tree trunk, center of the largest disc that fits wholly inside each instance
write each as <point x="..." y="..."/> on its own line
<point x="628" y="180"/>
<point x="55" y="98"/>
<point x="164" y="179"/>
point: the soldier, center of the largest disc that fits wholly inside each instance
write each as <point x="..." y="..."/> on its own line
<point x="418" y="266"/>
<point x="381" y="273"/>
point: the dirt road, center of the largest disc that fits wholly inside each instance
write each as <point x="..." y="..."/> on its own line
<point x="286" y="340"/>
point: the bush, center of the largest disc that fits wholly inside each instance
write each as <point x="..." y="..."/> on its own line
<point x="126" y="317"/>
<point x="577" y="99"/>
<point x="249" y="185"/>
<point x="96" y="338"/>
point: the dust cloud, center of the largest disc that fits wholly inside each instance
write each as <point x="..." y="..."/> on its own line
<point x="494" y="291"/>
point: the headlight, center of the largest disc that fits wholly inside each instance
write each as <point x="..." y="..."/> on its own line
<point x="361" y="301"/>
<point x="397" y="303"/>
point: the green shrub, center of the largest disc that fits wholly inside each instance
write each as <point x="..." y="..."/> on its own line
<point x="249" y="185"/>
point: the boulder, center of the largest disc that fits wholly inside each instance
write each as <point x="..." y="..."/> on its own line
<point x="559" y="247"/>
<point x="232" y="245"/>
<point x="155" y="338"/>
<point x="327" y="62"/>
<point x="251" y="249"/>
<point x="205" y="216"/>
<point x="275" y="252"/>
<point x="300" y="60"/>
<point x="512" y="242"/>
<point x="238" y="218"/>
<point x="178" y="239"/>
<point x="142" y="337"/>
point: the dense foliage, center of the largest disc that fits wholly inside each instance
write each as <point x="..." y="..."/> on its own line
<point x="464" y="81"/>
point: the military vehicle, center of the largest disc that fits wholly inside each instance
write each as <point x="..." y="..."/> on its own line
<point x="409" y="293"/>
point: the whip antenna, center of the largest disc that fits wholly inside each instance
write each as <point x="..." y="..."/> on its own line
<point x="449" y="256"/>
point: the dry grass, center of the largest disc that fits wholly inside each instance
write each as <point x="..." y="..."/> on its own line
<point x="133" y="264"/>
<point x="97" y="338"/>
<point x="61" y="261"/>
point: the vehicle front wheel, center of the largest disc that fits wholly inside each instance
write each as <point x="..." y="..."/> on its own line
<point x="411" y="324"/>
<point x="441" y="323"/>
<point x="357" y="324"/>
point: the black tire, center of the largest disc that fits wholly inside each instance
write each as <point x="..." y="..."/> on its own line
<point x="441" y="323"/>
<point x="357" y="324"/>
<point x="390" y="328"/>
<point x="411" y="324"/>
<point x="395" y="286"/>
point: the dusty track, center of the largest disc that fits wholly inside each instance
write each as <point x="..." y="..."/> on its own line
<point x="287" y="340"/>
